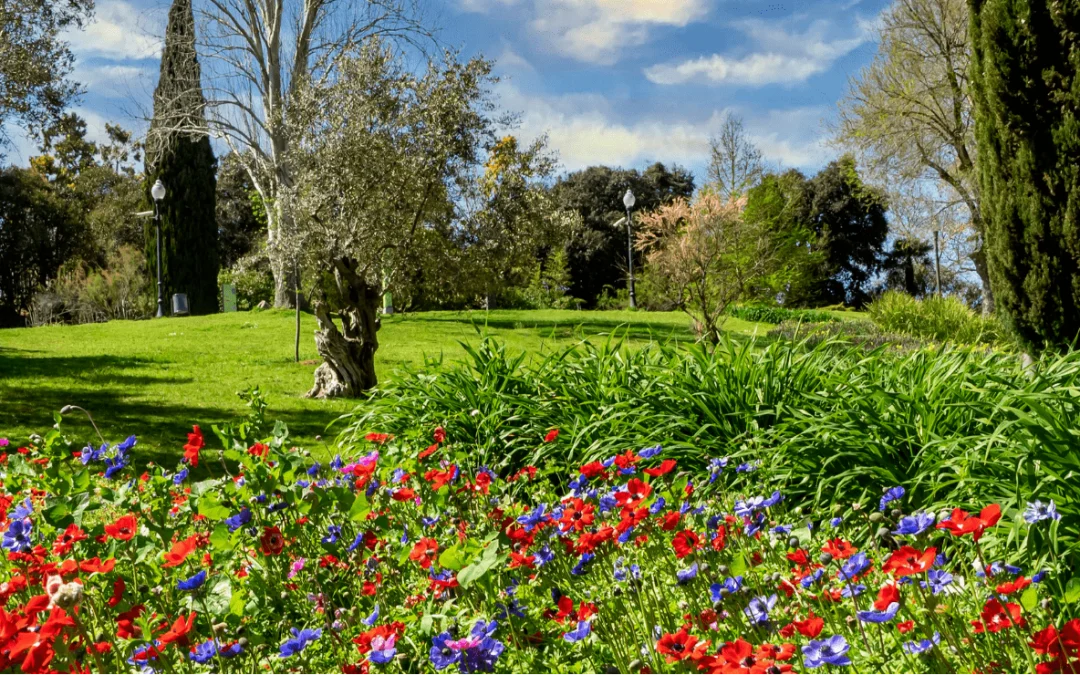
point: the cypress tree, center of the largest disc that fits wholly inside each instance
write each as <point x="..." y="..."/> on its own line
<point x="1027" y="98"/>
<point x="178" y="153"/>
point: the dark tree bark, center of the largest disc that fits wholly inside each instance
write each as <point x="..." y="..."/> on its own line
<point x="349" y="353"/>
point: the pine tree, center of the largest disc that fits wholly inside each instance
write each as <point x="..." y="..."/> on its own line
<point x="178" y="153"/>
<point x="1025" y="56"/>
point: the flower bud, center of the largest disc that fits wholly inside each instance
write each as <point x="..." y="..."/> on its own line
<point x="825" y="558"/>
<point x="635" y="665"/>
<point x="793" y="542"/>
<point x="876" y="517"/>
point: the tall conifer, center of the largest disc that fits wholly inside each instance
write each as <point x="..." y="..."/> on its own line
<point x="178" y="153"/>
<point x="1025" y="56"/>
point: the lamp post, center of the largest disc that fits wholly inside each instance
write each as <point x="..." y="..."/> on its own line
<point x="937" y="262"/>
<point x="158" y="193"/>
<point x="628" y="201"/>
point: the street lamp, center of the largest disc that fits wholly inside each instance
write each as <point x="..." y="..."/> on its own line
<point x="158" y="193"/>
<point x="628" y="201"/>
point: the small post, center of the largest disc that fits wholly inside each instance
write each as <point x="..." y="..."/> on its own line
<point x="296" y="277"/>
<point x="628" y="202"/>
<point x="937" y="262"/>
<point x="160" y="291"/>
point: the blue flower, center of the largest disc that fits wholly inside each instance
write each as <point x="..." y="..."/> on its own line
<point x="758" y="609"/>
<point x="854" y="566"/>
<point x="180" y="476"/>
<point x="193" y="582"/>
<point x="915" y="524"/>
<point x="544" y="555"/>
<point x="835" y="522"/>
<point x="579" y="568"/>
<point x="441" y="655"/>
<point x="1039" y="576"/>
<point x="430" y="522"/>
<point x="852" y="590"/>
<point x="17" y="537"/>
<point x="912" y="647"/>
<point x="239" y="520"/>
<point x="114" y="465"/>
<point x="333" y="533"/>
<point x="811" y="579"/>
<point x="891" y="495"/>
<point x="687" y="575"/>
<point x="773" y="499"/>
<point x="581" y="632"/>
<point x="515" y="608"/>
<point x="89" y="454"/>
<point x="1037" y="511"/>
<point x="299" y="641"/>
<point x="126" y="445"/>
<point x="832" y="651"/>
<point x="874" y="616"/>
<point x="336" y="464"/>
<point x="649" y="453"/>
<point x="729" y="585"/>
<point x="534" y="518"/>
<point x="383" y="649"/>
<point x="370" y="620"/>
<point x="356" y="542"/>
<point x="747" y="467"/>
<point x="936" y="580"/>
<point x="204" y="652"/>
<point x="21" y="511"/>
<point x="657" y="506"/>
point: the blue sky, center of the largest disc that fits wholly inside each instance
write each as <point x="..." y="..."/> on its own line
<point x="617" y="82"/>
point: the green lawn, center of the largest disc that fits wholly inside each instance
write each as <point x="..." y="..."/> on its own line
<point x="157" y="378"/>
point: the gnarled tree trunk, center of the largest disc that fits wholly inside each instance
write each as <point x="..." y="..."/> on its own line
<point x="349" y="353"/>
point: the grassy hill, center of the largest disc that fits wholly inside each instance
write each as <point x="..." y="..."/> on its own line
<point x="157" y="378"/>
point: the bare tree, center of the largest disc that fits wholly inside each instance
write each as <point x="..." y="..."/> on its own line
<point x="908" y="117"/>
<point x="256" y="55"/>
<point x="735" y="163"/>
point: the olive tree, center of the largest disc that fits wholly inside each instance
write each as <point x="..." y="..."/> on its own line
<point x="383" y="155"/>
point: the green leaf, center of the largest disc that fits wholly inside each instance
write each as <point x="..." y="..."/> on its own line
<point x="738" y="566"/>
<point x="219" y="598"/>
<point x="452" y="558"/>
<point x="803" y="535"/>
<point x="57" y="513"/>
<point x="489" y="559"/>
<point x="1030" y="599"/>
<point x="212" y="509"/>
<point x="221" y="538"/>
<point x="1072" y="590"/>
<point x="81" y="481"/>
<point x="236" y="603"/>
<point x="426" y="624"/>
<point x="360" y="509"/>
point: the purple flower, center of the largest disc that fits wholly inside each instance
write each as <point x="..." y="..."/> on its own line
<point x="936" y="581"/>
<point x="912" y="647"/>
<point x="891" y="495"/>
<point x="193" y="582"/>
<point x="370" y="620"/>
<point x="534" y="518"/>
<point x="333" y="533"/>
<point x="441" y="654"/>
<point x="854" y="566"/>
<point x="874" y="616"/>
<point x="580" y="633"/>
<point x="687" y="575"/>
<point x="1037" y="511"/>
<point x="915" y="524"/>
<point x="17" y="537"/>
<point x="649" y="453"/>
<point x="832" y="651"/>
<point x="758" y="609"/>
<point x="383" y="649"/>
<point x="299" y="641"/>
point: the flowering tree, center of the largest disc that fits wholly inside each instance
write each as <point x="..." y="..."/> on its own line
<point x="704" y="256"/>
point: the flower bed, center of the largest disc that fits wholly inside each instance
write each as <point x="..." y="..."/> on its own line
<point x="411" y="559"/>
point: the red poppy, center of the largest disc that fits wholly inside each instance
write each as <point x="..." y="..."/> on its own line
<point x="118" y="592"/>
<point x="180" y="551"/>
<point x="95" y="566"/>
<point x="440" y="478"/>
<point x="440" y="435"/>
<point x="66" y="541"/>
<point x="839" y="549"/>
<point x="908" y="561"/>
<point x="576" y="516"/>
<point x="961" y="523"/>
<point x="519" y="560"/>
<point x="424" y="552"/>
<point x="685" y="543"/>
<point x="1010" y="587"/>
<point x="403" y="494"/>
<point x="681" y="646"/>
<point x="719" y="540"/>
<point x="179" y="631"/>
<point x="378" y="438"/>
<point x="123" y="529"/>
<point x="888" y="594"/>
<point x="905" y="626"/>
<point x="592" y="470"/>
<point x="551" y="435"/>
<point x="429" y="451"/>
<point x="665" y="467"/>
<point x="272" y="542"/>
<point x="627" y="459"/>
<point x="193" y="446"/>
<point x="810" y="627"/>
<point x="996" y="617"/>
<point x="634" y="494"/>
<point x="670" y="520"/>
<point x="259" y="450"/>
<point x="1056" y="644"/>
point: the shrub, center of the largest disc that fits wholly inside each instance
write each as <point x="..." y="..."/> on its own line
<point x="253" y="280"/>
<point x="934" y="318"/>
<point x="762" y="314"/>
<point x="79" y="294"/>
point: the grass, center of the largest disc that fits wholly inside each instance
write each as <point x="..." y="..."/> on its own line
<point x="157" y="378"/>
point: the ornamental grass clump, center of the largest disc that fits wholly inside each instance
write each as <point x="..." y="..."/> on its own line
<point x="414" y="556"/>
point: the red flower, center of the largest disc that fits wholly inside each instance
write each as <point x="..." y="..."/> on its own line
<point x="592" y="470"/>
<point x="66" y="541"/>
<point x="1010" y="587"/>
<point x="440" y="435"/>
<point x="179" y="631"/>
<point x="378" y="438"/>
<point x="888" y="594"/>
<point x="519" y="560"/>
<point x="810" y="626"/>
<point x="681" y="646"/>
<point x="905" y="626"/>
<point x="193" y="446"/>
<point x="440" y="478"/>
<point x="118" y="592"/>
<point x="1051" y="642"/>
<point x="95" y="566"/>
<point x="577" y="516"/>
<point x="272" y="542"/>
<point x="424" y="551"/>
<point x="627" y="459"/>
<point x="429" y="451"/>
<point x="403" y="494"/>
<point x="259" y="450"/>
<point x="665" y="467"/>
<point x="839" y="549"/>
<point x="996" y="618"/>
<point x="125" y="622"/>
<point x="636" y="492"/>
<point x="961" y="523"/>
<point x="123" y="529"/>
<point x="551" y="435"/>
<point x="179" y="552"/>
<point x="685" y="543"/>
<point x="907" y="561"/>
<point x="670" y="520"/>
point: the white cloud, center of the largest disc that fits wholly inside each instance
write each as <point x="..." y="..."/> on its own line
<point x="112" y="80"/>
<point x="484" y="6"/>
<point x="597" y="31"/>
<point x="583" y="130"/>
<point x="119" y="31"/>
<point x="782" y="57"/>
